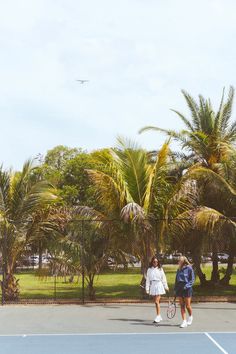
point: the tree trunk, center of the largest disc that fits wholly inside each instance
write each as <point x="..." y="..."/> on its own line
<point x="144" y="267"/>
<point x="11" y="288"/>
<point x="10" y="285"/>
<point x="91" y="289"/>
<point x="215" y="277"/>
<point x="197" y="265"/>
<point x="71" y="278"/>
<point x="226" y="279"/>
<point x="145" y="260"/>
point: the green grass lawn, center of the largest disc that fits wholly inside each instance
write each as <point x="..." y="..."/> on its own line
<point x="110" y="284"/>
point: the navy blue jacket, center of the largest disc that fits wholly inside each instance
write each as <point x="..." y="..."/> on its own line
<point x="185" y="276"/>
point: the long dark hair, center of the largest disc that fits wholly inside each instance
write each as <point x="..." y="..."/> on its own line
<point x="151" y="262"/>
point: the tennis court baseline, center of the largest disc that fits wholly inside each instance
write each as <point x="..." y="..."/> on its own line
<point x="138" y="343"/>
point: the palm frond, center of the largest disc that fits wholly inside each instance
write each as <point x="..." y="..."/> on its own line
<point x="184" y="119"/>
<point x="199" y="226"/>
<point x="168" y="132"/>
<point x="89" y="213"/>
<point x="219" y="114"/>
<point x="132" y="212"/>
<point x="216" y="191"/>
<point x="108" y="192"/>
<point x="194" y="108"/>
<point x="132" y="164"/>
<point x="155" y="171"/>
<point x="4" y="189"/>
<point x="227" y="109"/>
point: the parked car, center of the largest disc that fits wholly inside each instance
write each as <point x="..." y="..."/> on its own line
<point x="167" y="259"/>
<point x="189" y="256"/>
<point x="34" y="260"/>
<point x="46" y="259"/>
<point x="223" y="257"/>
<point x="175" y="257"/>
<point x="132" y="259"/>
<point x="207" y="257"/>
<point x="162" y="257"/>
<point x="24" y="261"/>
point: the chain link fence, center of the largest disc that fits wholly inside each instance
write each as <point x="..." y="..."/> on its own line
<point x="104" y="260"/>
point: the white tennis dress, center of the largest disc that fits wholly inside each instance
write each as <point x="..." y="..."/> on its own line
<point x="156" y="282"/>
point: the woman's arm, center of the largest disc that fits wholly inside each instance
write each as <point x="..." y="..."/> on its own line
<point x="147" y="281"/>
<point x="191" y="278"/>
<point x="164" y="280"/>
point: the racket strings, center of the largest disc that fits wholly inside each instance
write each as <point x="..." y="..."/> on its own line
<point x="171" y="310"/>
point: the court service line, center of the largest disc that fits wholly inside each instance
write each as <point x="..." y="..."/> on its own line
<point x="216" y="343"/>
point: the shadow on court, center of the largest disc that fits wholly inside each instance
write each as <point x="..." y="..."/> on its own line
<point x="136" y="322"/>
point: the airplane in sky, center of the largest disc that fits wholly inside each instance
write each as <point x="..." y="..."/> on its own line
<point x="82" y="81"/>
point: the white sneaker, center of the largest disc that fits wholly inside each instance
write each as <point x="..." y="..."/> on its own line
<point x="184" y="324"/>
<point x="190" y="320"/>
<point x="158" y="319"/>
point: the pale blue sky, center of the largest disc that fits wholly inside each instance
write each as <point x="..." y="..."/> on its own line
<point x="137" y="54"/>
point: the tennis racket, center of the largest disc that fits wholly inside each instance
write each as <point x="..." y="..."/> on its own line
<point x="171" y="309"/>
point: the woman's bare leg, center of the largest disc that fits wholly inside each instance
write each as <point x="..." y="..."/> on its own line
<point x="182" y="308"/>
<point x="188" y="305"/>
<point x="157" y="299"/>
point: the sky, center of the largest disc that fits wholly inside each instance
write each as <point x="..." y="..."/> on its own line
<point x="137" y="54"/>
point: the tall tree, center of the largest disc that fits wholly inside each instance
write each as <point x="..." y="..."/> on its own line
<point x="20" y="198"/>
<point x="134" y="188"/>
<point x="201" y="210"/>
<point x="209" y="134"/>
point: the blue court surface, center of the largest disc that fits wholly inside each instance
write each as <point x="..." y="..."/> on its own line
<point x="138" y="343"/>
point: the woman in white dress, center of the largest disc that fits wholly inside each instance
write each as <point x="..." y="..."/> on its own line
<point x="156" y="285"/>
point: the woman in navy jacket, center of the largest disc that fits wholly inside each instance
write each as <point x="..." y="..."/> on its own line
<point x="183" y="289"/>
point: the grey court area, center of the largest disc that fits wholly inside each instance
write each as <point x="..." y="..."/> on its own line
<point x="115" y="328"/>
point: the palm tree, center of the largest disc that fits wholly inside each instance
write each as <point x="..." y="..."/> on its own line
<point x="134" y="189"/>
<point x="93" y="243"/>
<point x="196" y="229"/>
<point x="47" y="227"/>
<point x="201" y="210"/>
<point x="21" y="197"/>
<point x="208" y="134"/>
<point x="82" y="246"/>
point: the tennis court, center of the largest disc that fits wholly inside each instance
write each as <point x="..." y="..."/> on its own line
<point x="115" y="328"/>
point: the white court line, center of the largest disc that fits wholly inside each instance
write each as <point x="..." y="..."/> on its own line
<point x="216" y="343"/>
<point x="97" y="334"/>
<point x="111" y="334"/>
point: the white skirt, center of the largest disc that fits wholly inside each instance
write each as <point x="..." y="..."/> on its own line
<point x="156" y="288"/>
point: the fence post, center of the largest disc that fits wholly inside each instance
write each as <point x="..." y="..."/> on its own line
<point x="3" y="277"/>
<point x="4" y="266"/>
<point x="82" y="259"/>
<point x="55" y="286"/>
